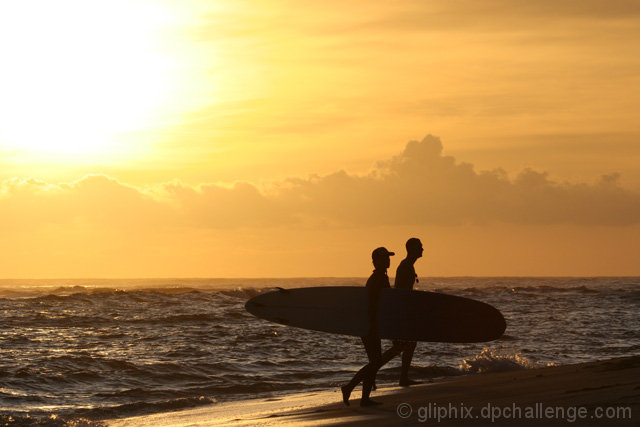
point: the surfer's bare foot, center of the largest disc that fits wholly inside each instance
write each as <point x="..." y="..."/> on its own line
<point x="369" y="402"/>
<point x="408" y="383"/>
<point x="345" y="394"/>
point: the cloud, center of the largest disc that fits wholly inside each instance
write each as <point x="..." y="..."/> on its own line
<point x="420" y="186"/>
<point x="94" y="200"/>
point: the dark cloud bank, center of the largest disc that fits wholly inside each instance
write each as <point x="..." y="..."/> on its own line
<point x="420" y="186"/>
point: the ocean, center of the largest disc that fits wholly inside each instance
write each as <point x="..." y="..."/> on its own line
<point x="83" y="350"/>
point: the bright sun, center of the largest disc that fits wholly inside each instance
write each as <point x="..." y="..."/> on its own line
<point x="77" y="75"/>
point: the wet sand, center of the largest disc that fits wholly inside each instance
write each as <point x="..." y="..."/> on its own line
<point x="595" y="393"/>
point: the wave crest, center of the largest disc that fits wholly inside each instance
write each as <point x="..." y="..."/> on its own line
<point x="492" y="361"/>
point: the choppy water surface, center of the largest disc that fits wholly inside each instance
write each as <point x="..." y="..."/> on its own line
<point x="98" y="349"/>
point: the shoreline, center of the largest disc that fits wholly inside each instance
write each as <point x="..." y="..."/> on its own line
<point x="605" y="392"/>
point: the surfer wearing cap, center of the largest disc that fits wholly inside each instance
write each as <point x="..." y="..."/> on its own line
<point x="377" y="281"/>
<point x="406" y="277"/>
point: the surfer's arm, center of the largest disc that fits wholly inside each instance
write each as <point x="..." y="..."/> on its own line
<point x="374" y="294"/>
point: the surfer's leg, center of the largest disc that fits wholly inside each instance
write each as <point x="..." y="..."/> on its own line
<point x="348" y="388"/>
<point x="407" y="355"/>
<point x="370" y="371"/>
<point x="366" y="373"/>
<point x="366" y="391"/>
<point x="392" y="352"/>
<point x="367" y="384"/>
<point x="346" y="393"/>
<point x="373" y="346"/>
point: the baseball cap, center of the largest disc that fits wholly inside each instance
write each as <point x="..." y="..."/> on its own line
<point x="381" y="251"/>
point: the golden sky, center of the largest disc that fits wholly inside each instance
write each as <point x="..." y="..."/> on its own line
<point x="290" y="138"/>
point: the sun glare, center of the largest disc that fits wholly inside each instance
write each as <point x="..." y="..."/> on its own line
<point x="78" y="75"/>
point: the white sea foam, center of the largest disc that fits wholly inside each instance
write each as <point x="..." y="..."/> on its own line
<point x="495" y="361"/>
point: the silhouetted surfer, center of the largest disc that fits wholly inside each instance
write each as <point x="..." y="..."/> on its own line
<point x="405" y="278"/>
<point x="377" y="281"/>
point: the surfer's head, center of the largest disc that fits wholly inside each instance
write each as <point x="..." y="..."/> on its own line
<point x="380" y="257"/>
<point x="414" y="247"/>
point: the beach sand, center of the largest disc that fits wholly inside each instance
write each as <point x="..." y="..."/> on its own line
<point x="594" y="393"/>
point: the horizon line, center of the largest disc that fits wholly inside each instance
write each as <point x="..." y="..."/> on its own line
<point x="322" y="277"/>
